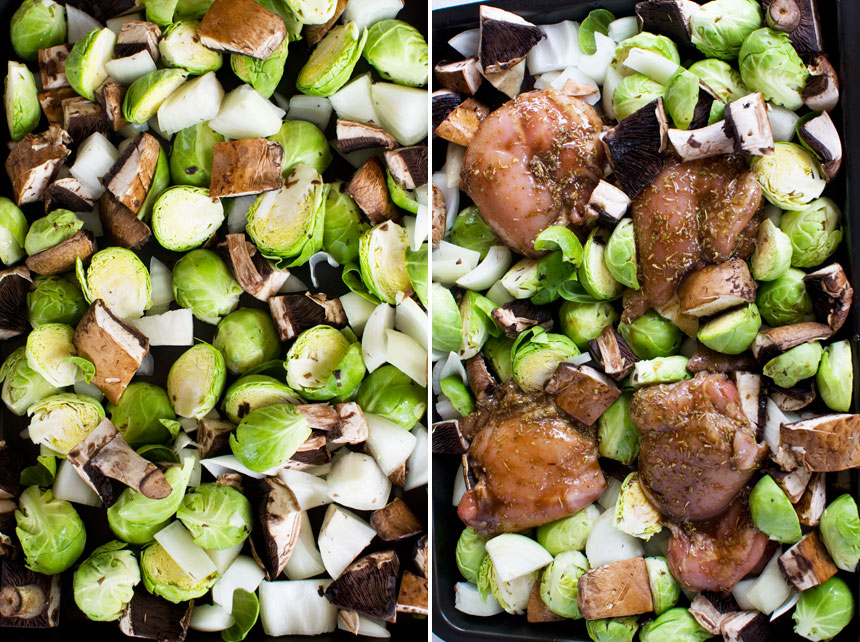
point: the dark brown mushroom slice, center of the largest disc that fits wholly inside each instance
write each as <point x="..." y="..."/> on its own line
<point x="242" y="27"/>
<point x="607" y="203"/>
<point x="68" y="193"/>
<point x="135" y="36"/>
<point x="438" y="215"/>
<point x="407" y="165"/>
<point x="102" y="10"/>
<point x="213" y="435"/>
<point x="412" y="597"/>
<point x="370" y="192"/>
<point x="612" y="353"/>
<point x="131" y="175"/>
<point x="821" y="92"/>
<point x="394" y="521"/>
<point x="443" y="102"/>
<point x="715" y="288"/>
<point x="582" y="392"/>
<point x="253" y="271"/>
<point x="636" y="147"/>
<point x="368" y="586"/>
<point x="121" y="224"/>
<point x="515" y="317"/>
<point x="62" y="257"/>
<point x="110" y="96"/>
<point x="82" y="118"/>
<point x="14" y="286"/>
<point x="710" y="609"/>
<point x="706" y="360"/>
<point x="311" y="453"/>
<point x="421" y="556"/>
<point x="295" y="313"/>
<point x="154" y="618"/>
<point x="320" y="416"/>
<point x="461" y="76"/>
<point x="796" y="398"/>
<point x="807" y="564"/>
<point x="793" y="483"/>
<point x="448" y="439"/>
<point x="353" y="428"/>
<point x="353" y="136"/>
<point x="799" y="19"/>
<point x="397" y="477"/>
<point x="827" y="443"/>
<point x="747" y="626"/>
<point x="279" y="518"/>
<point x="617" y="589"/>
<point x="28" y="600"/>
<point x="314" y="33"/>
<point x="52" y="66"/>
<point x="10" y="470"/>
<point x="248" y="166"/>
<point x="769" y="343"/>
<point x="751" y="394"/>
<point x="537" y="612"/>
<point x="461" y="123"/>
<point x="34" y="161"/>
<point x="668" y="18"/>
<point x="820" y="135"/>
<point x="813" y="502"/>
<point x="504" y="39"/>
<point x="481" y="382"/>
<point x="51" y="101"/>
<point x="831" y="294"/>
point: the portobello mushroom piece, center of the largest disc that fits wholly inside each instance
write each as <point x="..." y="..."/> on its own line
<point x="750" y="387"/>
<point x="52" y="66"/>
<point x="821" y="92"/>
<point x="368" y="586"/>
<point x="820" y="135"/>
<point x="311" y="453"/>
<point x="831" y="294"/>
<point x="34" y="161"/>
<point x="353" y="136"/>
<point x="504" y="39"/>
<point x="10" y="471"/>
<point x="412" y="597"/>
<point x="314" y="33"/>
<point x="279" y="517"/>
<point x="462" y="76"/>
<point x="773" y="341"/>
<point x="213" y="435"/>
<point x="827" y="443"/>
<point x="668" y="18"/>
<point x="131" y="175"/>
<point x="782" y="15"/>
<point x="793" y="483"/>
<point x="320" y="416"/>
<point x="706" y="360"/>
<point x="248" y="166"/>
<point x="154" y="618"/>
<point x="116" y="348"/>
<point x="14" y="286"/>
<point x="748" y="626"/>
<point x="438" y="214"/>
<point x="51" y="101"/>
<point x="813" y="502"/>
<point x="443" y="102"/>
<point x="370" y="192"/>
<point x="799" y="19"/>
<point x="796" y="398"/>
<point x="82" y="117"/>
<point x="448" y="439"/>
<point x="537" y="611"/>
<point x="135" y="36"/>
<point x="68" y="193"/>
<point x="408" y="165"/>
<point x="612" y="353"/>
<point x="353" y="428"/>
<point x="253" y="271"/>
<point x="397" y="477"/>
<point x="461" y="123"/>
<point x="421" y="556"/>
<point x="710" y="609"/>
<point x="295" y="313"/>
<point x="716" y="288"/>
<point x="242" y="27"/>
<point x="607" y="203"/>
<point x="121" y="224"/>
<point x="636" y="146"/>
<point x="110" y="96"/>
<point x="582" y="392"/>
<point x="395" y="521"/>
<point x="615" y="590"/>
<point x="807" y="563"/>
<point x="509" y="82"/>
<point x="61" y="258"/>
<point x="481" y="382"/>
<point x="515" y="317"/>
<point x="28" y="600"/>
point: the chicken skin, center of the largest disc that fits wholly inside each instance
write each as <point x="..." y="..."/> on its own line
<point x="698" y="449"/>
<point x="534" y="163"/>
<point x="533" y="465"/>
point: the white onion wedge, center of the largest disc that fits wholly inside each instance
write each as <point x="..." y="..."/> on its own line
<point x="651" y="64"/>
<point x="357" y="310"/>
<point x="782" y="123"/>
<point x="466" y="43"/>
<point x="314" y="109"/>
<point x="210" y="618"/>
<point x="354" y="101"/>
<point x="374" y="339"/>
<point x="79" y="23"/>
<point x="607" y="544"/>
<point x="596" y="64"/>
<point x="237" y="217"/>
<point x="451" y="196"/>
<point x="412" y="320"/>
<point x="610" y="83"/>
<point x="96" y="155"/>
<point x="452" y="262"/>
<point x="417" y="466"/>
<point x="342" y="537"/>
<point x="445" y="409"/>
<point x="125" y="71"/>
<point x="69" y="486"/>
<point x="766" y="592"/>
<point x="177" y="542"/>
<point x="560" y="48"/>
<point x="623" y="28"/>
<point x="407" y="355"/>
<point x="222" y="558"/>
<point x="172" y="328"/>
<point x="786" y="606"/>
<point x="356" y="481"/>
<point x="468" y="600"/>
<point x="310" y="491"/>
<point x="296" y="608"/>
<point x="229" y="463"/>
<point x="403" y="111"/>
<point x="516" y="555"/>
<point x="498" y="294"/>
<point x="243" y="573"/>
<point x="574" y="73"/>
<point x="246" y="114"/>
<point x="293" y="284"/>
<point x="389" y="444"/>
<point x="422" y="224"/>
<point x="366" y="12"/>
<point x="162" y="283"/>
<point x="489" y="271"/>
<point x="368" y="627"/>
<point x="774" y="418"/>
<point x="305" y="560"/>
<point x="459" y="487"/>
<point x="147" y="366"/>
<point x="609" y="498"/>
<point x="197" y="101"/>
<point x="455" y="155"/>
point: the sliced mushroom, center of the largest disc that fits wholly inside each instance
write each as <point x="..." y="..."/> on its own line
<point x="412" y="597"/>
<point x="28" y="600"/>
<point x="242" y="27"/>
<point x="314" y="33"/>
<point x="14" y="286"/>
<point x="368" y="585"/>
<point x="121" y="224"/>
<point x="110" y="96"/>
<point x="295" y="313"/>
<point x="462" y="76"/>
<point x="515" y="317"/>
<point x="279" y="517"/>
<point x="438" y="214"/>
<point x="668" y="18"/>
<point x="370" y="192"/>
<point x="61" y="258"/>
<point x="831" y="294"/>
<point x="248" y="166"/>
<point x="408" y="165"/>
<point x="397" y="477"/>
<point x="353" y="136"/>
<point x="537" y="611"/>
<point x="822" y="444"/>
<point x="782" y="15"/>
<point x="504" y="39"/>
<point x="799" y="19"/>
<point x="706" y="360"/>
<point x="68" y="193"/>
<point x="10" y="470"/>
<point x="395" y="521"/>
<point x="443" y="102"/>
<point x="716" y="288"/>
<point x="154" y="618"/>
<point x="135" y="36"/>
<point x="51" y="101"/>
<point x="710" y="609"/>
<point x="448" y="438"/>
<point x="611" y="351"/>
<point x="582" y="392"/>
<point x="793" y="483"/>
<point x="807" y="564"/>
<point x="131" y="175"/>
<point x="751" y="395"/>
<point x="607" y="203"/>
<point x="636" y="147"/>
<point x="353" y="428"/>
<point x="615" y="590"/>
<point x="33" y="163"/>
<point x="794" y="399"/>
<point x="421" y="556"/>
<point x="821" y="92"/>
<point x="768" y="343"/>
<point x="311" y="453"/>
<point x="481" y="382"/>
<point x="320" y="416"/>
<point x="253" y="271"/>
<point x="508" y="81"/>
<point x="461" y="123"/>
<point x="747" y="626"/>
<point x="52" y="66"/>
<point x="82" y="117"/>
<point x="213" y="435"/>
<point x="820" y="135"/>
<point x="813" y="502"/>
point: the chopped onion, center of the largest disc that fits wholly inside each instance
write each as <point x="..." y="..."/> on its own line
<point x="403" y="111"/>
<point x="69" y="486"/>
<point x="411" y="319"/>
<point x="368" y="627"/>
<point x="293" y="284"/>
<point x="244" y="573"/>
<point x="417" y="466"/>
<point x="782" y="123"/>
<point x="610" y="83"/>
<point x="388" y="443"/>
<point x="366" y="12"/>
<point x="489" y="271"/>
<point x="92" y="222"/>
<point x="81" y="387"/>
<point x="133" y="129"/>
<point x="445" y="409"/>
<point x="454" y="158"/>
<point x="607" y="544"/>
<point x="354" y="101"/>
<point x="177" y="542"/>
<point x="172" y="328"/>
<point x="246" y="114"/>
<point x="459" y="487"/>
<point x="147" y="366"/>
<point x="374" y="340"/>
<point x="516" y="555"/>
<point x="420" y="228"/>
<point x="422" y="195"/>
<point x="296" y="608"/>
<point x="451" y="196"/>
<point x="197" y="469"/>
<point x="766" y="592"/>
<point x="610" y="496"/>
<point x="223" y="557"/>
<point x="651" y="64"/>
<point x="499" y="294"/>
<point x="315" y="260"/>
<point x="96" y="155"/>
<point x="228" y="463"/>
<point x="407" y="355"/>
<point x="356" y="481"/>
<point x="182" y="440"/>
<point x="210" y="618"/>
<point x="450" y="366"/>
<point x="469" y="600"/>
<point x="189" y="424"/>
<point x="786" y="606"/>
<point x="452" y="262"/>
<point x="597" y="63"/>
<point x="310" y="491"/>
<point x="342" y="537"/>
<point x="575" y="74"/>
<point x="357" y="310"/>
<point x="126" y="70"/>
<point x="314" y="109"/>
<point x="466" y="42"/>
<point x="197" y="101"/>
<point x="544" y="81"/>
<point x="305" y="560"/>
<point x="79" y="23"/>
<point x="580" y="359"/>
<point x="623" y="28"/>
<point x="560" y="48"/>
<point x="162" y="283"/>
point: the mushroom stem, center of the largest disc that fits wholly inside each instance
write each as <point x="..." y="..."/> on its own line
<point x="783" y="15"/>
<point x="23" y="602"/>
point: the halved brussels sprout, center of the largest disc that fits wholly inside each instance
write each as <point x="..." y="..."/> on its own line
<point x="262" y="75"/>
<point x="583" y="322"/>
<point x="499" y="351"/>
<point x="720" y="27"/>
<point x="21" y="101"/>
<point x="146" y="94"/>
<point x="247" y="338"/>
<point x="674" y="625"/>
<point x="660" y="370"/>
<point x="772" y="512"/>
<point x="835" y="376"/>
<point x="620" y="255"/>
<point x="794" y="365"/>
<point x="470" y="231"/>
<point x="665" y="589"/>
<point x="311" y="12"/>
<point x="22" y="386"/>
<point x="447" y="324"/>
<point x="164" y="577"/>
<point x="682" y="96"/>
<point x="790" y="177"/>
<point x="343" y="224"/>
<point x="62" y="421"/>
<point x="389" y="393"/>
<point x="332" y="61"/>
<point x="55" y="299"/>
<point x="85" y="66"/>
<point x="37" y="24"/>
<point x="477" y="324"/>
<point x="49" y="530"/>
<point x="418" y="269"/>
<point x="824" y="610"/>
<point x="648" y="41"/>
<point x="185" y="217"/>
<point x="593" y="274"/>
<point x="51" y="230"/>
<point x="770" y="64"/>
<point x="191" y="155"/>
<point x="535" y="356"/>
<point x="13" y="231"/>
<point x="382" y="253"/>
<point x="217" y="516"/>
<point x="617" y="436"/>
<point x="568" y="533"/>
<point x="104" y="583"/>
<point x="203" y="283"/>
<point x="613" y="629"/>
<point x="840" y="532"/>
<point x="196" y="380"/>
<point x="180" y="47"/>
<point x="256" y="391"/>
<point x="139" y="413"/>
<point x="50" y="353"/>
<point x="785" y="301"/>
<point x="120" y="279"/>
<point x="721" y="78"/>
<point x="772" y="255"/>
<point x="814" y="232"/>
<point x="398" y="51"/>
<point x="303" y="144"/>
<point x="267" y="437"/>
<point x="559" y="585"/>
<point x="732" y="332"/>
<point x="634" y="92"/>
<point x="470" y="553"/>
<point x="324" y="363"/>
<point x="651" y="336"/>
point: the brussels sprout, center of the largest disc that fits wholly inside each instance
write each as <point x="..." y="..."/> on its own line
<point x="770" y="64"/>
<point x="85" y="66"/>
<point x="674" y="625"/>
<point x="840" y="532"/>
<point x="633" y="93"/>
<point x="247" y="338"/>
<point x="22" y="386"/>
<point x="21" y="101"/>
<point x="324" y="363"/>
<point x="51" y="230"/>
<point x="458" y="394"/>
<point x="772" y="255"/>
<point x="794" y="365"/>
<point x="477" y="324"/>
<point x="559" y="585"/>
<point x="191" y="155"/>
<point x="720" y="27"/>
<point x="614" y="629"/>
<point x="593" y="274"/>
<point x="772" y="512"/>
<point x="217" y="517"/>
<point x="824" y="610"/>
<point x="568" y="533"/>
<point x="835" y="376"/>
<point x="499" y="351"/>
<point x="161" y="12"/>
<point x="267" y="437"/>
<point x="262" y="75"/>
<point x="470" y="553"/>
<point x="785" y="300"/>
<point x="256" y="391"/>
<point x="309" y="12"/>
<point x="513" y="596"/>
<point x="61" y="421"/>
<point x="583" y="322"/>
<point x="665" y="589"/>
<point x="721" y="78"/>
<point x="535" y="356"/>
<point x="343" y="224"/>
<point x="55" y="299"/>
<point x="288" y="223"/>
<point x="682" y="96"/>
<point x="185" y="217"/>
<point x="180" y="47"/>
<point x="203" y="283"/>
<point x="382" y="253"/>
<point x="402" y="198"/>
<point x="49" y="530"/>
<point x="135" y="518"/>
<point x="418" y="269"/>
<point x="559" y="238"/>
<point x="139" y="413"/>
<point x="146" y="94"/>
<point x="660" y="45"/>
<point x="119" y="278"/>
<point x="553" y="273"/>
<point x="50" y="353"/>
<point x="814" y="232"/>
<point x="303" y="144"/>
<point x="104" y="583"/>
<point x="470" y="231"/>
<point x="447" y="324"/>
<point x="732" y="332"/>
<point x="37" y="24"/>
<point x="196" y="380"/>
<point x="398" y="51"/>
<point x="192" y="9"/>
<point x="389" y="393"/>
<point x="13" y="231"/>
<point x="651" y="336"/>
<point x="163" y="576"/>
<point x="634" y="514"/>
<point x="597" y="21"/>
<point x="332" y="61"/>
<point x="522" y="280"/>
<point x="617" y="435"/>
<point x="659" y="370"/>
<point x="620" y="255"/>
<point x="790" y="178"/>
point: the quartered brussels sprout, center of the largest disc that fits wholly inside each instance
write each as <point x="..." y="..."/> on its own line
<point x="49" y="530"/>
<point x="217" y="516"/>
<point x="785" y="301"/>
<point x="247" y="338"/>
<point x="262" y="75"/>
<point x="620" y="255"/>
<point x="535" y="356"/>
<point x="835" y="376"/>
<point x="22" y="386"/>
<point x="770" y="64"/>
<point x="470" y="231"/>
<point x="382" y="253"/>
<point x="674" y="625"/>
<point x="398" y="51"/>
<point x="324" y="363"/>
<point x="312" y="12"/>
<point x="634" y="92"/>
<point x="85" y="66"/>
<point x="37" y="24"/>
<point x="593" y="274"/>
<point x="62" y="421"/>
<point x="185" y="217"/>
<point x="104" y="583"/>
<point x="794" y="365"/>
<point x="256" y="391"/>
<point x="790" y="177"/>
<point x="50" y="230"/>
<point x="332" y="60"/>
<point x="139" y="413"/>
<point x="343" y="224"/>
<point x="660" y="45"/>
<point x="13" y="231"/>
<point x="772" y="255"/>
<point x="824" y="610"/>
<point x="120" y="279"/>
<point x="389" y="393"/>
<point x="191" y="155"/>
<point x="660" y="370"/>
<point x="146" y="94"/>
<point x="196" y="380"/>
<point x="772" y="512"/>
<point x="617" y="435"/>
<point x="559" y="585"/>
<point x="470" y="553"/>
<point x="267" y="437"/>
<point x="164" y="577"/>
<point x="499" y="352"/>
<point x="732" y="332"/>
<point x="720" y="27"/>
<point x="418" y="269"/>
<point x="814" y="232"/>
<point x="288" y="223"/>
<point x="522" y="279"/>
<point x="50" y="353"/>
<point x="634" y="514"/>
<point x="665" y="589"/>
<point x="203" y="283"/>
<point x="568" y="533"/>
<point x="583" y="322"/>
<point x="303" y="144"/>
<point x="477" y="324"/>
<point x="180" y="47"/>
<point x="840" y="532"/>
<point x="21" y="101"/>
<point x="55" y="299"/>
<point x="447" y="324"/>
<point x="613" y="629"/>
<point x="651" y="336"/>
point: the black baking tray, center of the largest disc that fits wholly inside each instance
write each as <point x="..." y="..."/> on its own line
<point x="73" y="624"/>
<point x="841" y="27"/>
